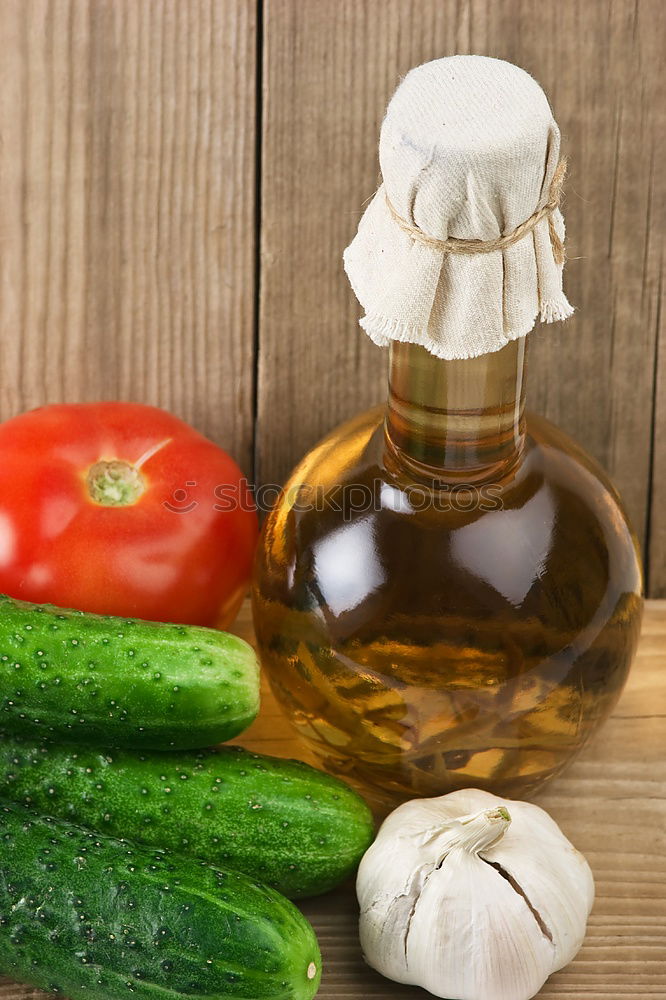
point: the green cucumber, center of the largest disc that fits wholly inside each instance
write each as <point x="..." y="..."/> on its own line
<point x="122" y="682"/>
<point x="295" y="828"/>
<point x="87" y="916"/>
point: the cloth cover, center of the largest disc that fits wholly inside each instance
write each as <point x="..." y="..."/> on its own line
<point x="468" y="149"/>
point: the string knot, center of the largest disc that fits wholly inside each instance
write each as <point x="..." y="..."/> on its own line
<point x="468" y="247"/>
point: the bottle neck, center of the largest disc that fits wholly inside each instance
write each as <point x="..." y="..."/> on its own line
<point x="456" y="421"/>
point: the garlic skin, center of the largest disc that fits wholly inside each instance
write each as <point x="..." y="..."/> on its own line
<point x="472" y="897"/>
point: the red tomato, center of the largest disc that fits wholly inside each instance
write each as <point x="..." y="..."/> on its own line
<point x="123" y="509"/>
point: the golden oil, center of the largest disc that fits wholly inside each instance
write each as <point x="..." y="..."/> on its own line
<point x="448" y="594"/>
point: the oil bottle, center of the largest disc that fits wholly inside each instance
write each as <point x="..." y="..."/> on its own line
<point x="448" y="593"/>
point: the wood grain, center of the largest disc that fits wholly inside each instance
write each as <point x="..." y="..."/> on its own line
<point x="127" y="241"/>
<point x="611" y="804"/>
<point x="329" y="70"/>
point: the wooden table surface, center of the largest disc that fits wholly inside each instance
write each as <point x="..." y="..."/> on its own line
<point x="611" y="804"/>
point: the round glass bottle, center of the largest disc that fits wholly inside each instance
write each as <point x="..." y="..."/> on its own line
<point x="448" y="594"/>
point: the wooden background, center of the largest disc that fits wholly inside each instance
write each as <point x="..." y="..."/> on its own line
<point x="178" y="179"/>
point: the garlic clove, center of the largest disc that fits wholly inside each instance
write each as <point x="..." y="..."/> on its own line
<point x="500" y="952"/>
<point x="553" y="874"/>
<point x="390" y="877"/>
<point x="384" y="927"/>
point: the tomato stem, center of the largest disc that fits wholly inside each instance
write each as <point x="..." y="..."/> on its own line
<point x="115" y="483"/>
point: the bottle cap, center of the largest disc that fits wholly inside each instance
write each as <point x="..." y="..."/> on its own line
<point x="461" y="248"/>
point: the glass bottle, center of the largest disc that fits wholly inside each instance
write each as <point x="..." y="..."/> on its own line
<point x="447" y="593"/>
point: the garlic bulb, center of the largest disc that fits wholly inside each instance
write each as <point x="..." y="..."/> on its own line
<point x="472" y="897"/>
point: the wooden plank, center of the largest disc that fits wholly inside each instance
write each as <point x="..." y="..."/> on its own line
<point x="127" y="230"/>
<point x="611" y="803"/>
<point x="595" y="378"/>
<point x="329" y="70"/>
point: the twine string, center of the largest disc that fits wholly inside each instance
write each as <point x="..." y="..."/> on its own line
<point x="463" y="246"/>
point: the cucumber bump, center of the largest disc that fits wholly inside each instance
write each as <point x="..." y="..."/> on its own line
<point x="120" y="682"/>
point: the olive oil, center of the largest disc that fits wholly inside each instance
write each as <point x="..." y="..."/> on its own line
<point x="448" y="594"/>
